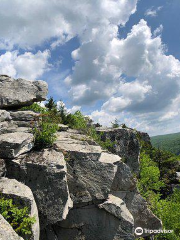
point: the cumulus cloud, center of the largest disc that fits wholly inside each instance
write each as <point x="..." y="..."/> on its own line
<point x="98" y="71"/>
<point x="28" y="65"/>
<point x="132" y="77"/>
<point x="153" y="12"/>
<point x="29" y="23"/>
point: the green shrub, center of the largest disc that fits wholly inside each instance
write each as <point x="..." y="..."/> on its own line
<point x="35" y="107"/>
<point x="115" y="124"/>
<point x="44" y="132"/>
<point x="17" y="217"/>
<point x="157" y="173"/>
<point x="168" y="210"/>
<point x="149" y="176"/>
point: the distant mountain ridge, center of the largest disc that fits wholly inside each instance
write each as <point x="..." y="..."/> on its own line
<point x="168" y="142"/>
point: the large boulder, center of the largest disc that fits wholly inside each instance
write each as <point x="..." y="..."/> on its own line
<point x="20" y="92"/>
<point x="143" y="217"/>
<point x="116" y="207"/>
<point x="6" y="231"/>
<point x="126" y="145"/>
<point x="108" y="221"/>
<point x="46" y="174"/>
<point x="14" y="144"/>
<point x="22" y="197"/>
<point x="92" y="172"/>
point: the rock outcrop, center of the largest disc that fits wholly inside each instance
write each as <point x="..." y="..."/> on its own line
<point x="126" y="145"/>
<point x="81" y="191"/>
<point x="45" y="173"/>
<point x="22" y="197"/>
<point x="16" y="93"/>
<point x="15" y="144"/>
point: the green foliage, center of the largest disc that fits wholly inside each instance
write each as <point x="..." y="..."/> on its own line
<point x="168" y="210"/>
<point x="76" y="121"/>
<point x="157" y="173"/>
<point x="51" y="104"/>
<point x="106" y="144"/>
<point x="115" y="124"/>
<point x="123" y="125"/>
<point x="169" y="142"/>
<point x="17" y="217"/>
<point x="149" y="176"/>
<point x="35" y="107"/>
<point x="45" y="131"/>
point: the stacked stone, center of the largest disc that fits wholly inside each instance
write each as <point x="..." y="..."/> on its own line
<point x="15" y="140"/>
<point x="81" y="191"/>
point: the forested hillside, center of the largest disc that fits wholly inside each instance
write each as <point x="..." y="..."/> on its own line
<point x="169" y="142"/>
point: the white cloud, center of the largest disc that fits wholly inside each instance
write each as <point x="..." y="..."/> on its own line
<point x="158" y="31"/>
<point x="29" y="23"/>
<point x="153" y="12"/>
<point x="97" y="73"/>
<point x="28" y="65"/>
<point x="116" y="104"/>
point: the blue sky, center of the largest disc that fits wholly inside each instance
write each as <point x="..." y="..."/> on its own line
<point x="109" y="58"/>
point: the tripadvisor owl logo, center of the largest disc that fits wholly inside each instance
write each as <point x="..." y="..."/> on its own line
<point x="138" y="231"/>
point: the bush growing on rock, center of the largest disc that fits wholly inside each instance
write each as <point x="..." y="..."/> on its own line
<point x="17" y="217"/>
<point x="44" y="132"/>
<point x="35" y="107"/>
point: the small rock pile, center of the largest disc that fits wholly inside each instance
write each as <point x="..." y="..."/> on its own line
<point x="76" y="190"/>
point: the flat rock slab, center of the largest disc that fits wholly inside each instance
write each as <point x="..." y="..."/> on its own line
<point x="78" y="146"/>
<point x="62" y="127"/>
<point x="20" y="92"/>
<point x="22" y="197"/>
<point x="23" y="115"/>
<point x="6" y="231"/>
<point x="45" y="173"/>
<point x="14" y="144"/>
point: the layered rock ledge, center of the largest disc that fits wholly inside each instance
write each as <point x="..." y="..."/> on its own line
<point x="76" y="190"/>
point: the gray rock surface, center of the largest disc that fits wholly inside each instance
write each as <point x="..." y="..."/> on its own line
<point x="126" y="145"/>
<point x="23" y="115"/>
<point x="91" y="222"/>
<point x="5" y="120"/>
<point x="144" y="137"/>
<point x="24" y="118"/>
<point x="4" y="116"/>
<point x="14" y="144"/>
<point x="91" y="171"/>
<point x="116" y="207"/>
<point x="62" y="127"/>
<point x="20" y="92"/>
<point x="2" y="167"/>
<point x="6" y="231"/>
<point x="45" y="173"/>
<point x="142" y="215"/>
<point x="22" y="196"/>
